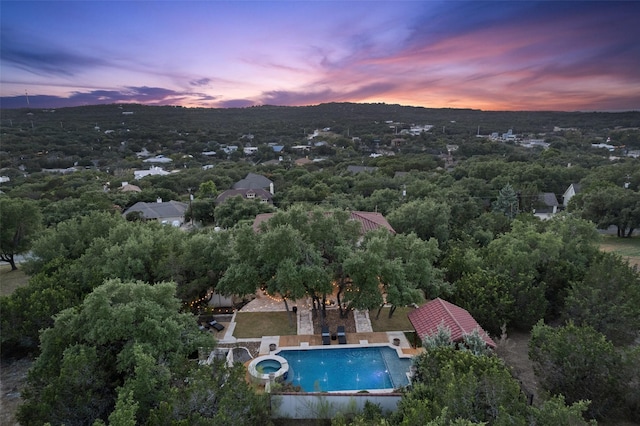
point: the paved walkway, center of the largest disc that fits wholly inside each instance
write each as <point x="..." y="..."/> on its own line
<point x="363" y="323"/>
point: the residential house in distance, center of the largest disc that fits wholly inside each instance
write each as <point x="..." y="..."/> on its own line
<point x="168" y="212"/>
<point x="253" y="181"/>
<point x="158" y="159"/>
<point x="369" y="220"/>
<point x="153" y="171"/>
<point x="252" y="187"/>
<point x="361" y="169"/>
<point x="546" y="206"/>
<point x="572" y="190"/>
<point x="127" y="187"/>
<point x="246" y="193"/>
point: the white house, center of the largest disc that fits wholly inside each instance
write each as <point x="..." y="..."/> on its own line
<point x="158" y="159"/>
<point x="572" y="190"/>
<point x="153" y="171"/>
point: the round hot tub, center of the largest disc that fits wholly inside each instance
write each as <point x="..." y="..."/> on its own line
<point x="269" y="367"/>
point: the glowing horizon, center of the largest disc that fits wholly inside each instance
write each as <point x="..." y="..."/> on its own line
<point x="563" y="56"/>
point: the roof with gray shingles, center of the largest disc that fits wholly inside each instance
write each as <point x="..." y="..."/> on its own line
<point x="252" y="181"/>
<point x="164" y="210"/>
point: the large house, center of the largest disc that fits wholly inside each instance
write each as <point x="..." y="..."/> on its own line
<point x="246" y="193"/>
<point x="169" y="212"/>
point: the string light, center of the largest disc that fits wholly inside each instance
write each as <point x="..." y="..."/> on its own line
<point x="205" y="298"/>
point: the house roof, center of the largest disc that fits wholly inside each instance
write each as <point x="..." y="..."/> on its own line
<point x="153" y="171"/>
<point x="429" y="316"/>
<point x="252" y="181"/>
<point x="575" y="187"/>
<point x="258" y="193"/>
<point x="130" y="188"/>
<point x="548" y="199"/>
<point x="360" y="169"/>
<point x="547" y="205"/>
<point x="369" y="220"/>
<point x="163" y="210"/>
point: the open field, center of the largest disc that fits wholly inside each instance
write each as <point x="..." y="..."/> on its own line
<point x="628" y="248"/>
<point x="258" y="324"/>
<point x="10" y="280"/>
<point x="398" y="322"/>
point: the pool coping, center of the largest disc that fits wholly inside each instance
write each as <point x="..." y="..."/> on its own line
<point x="398" y="349"/>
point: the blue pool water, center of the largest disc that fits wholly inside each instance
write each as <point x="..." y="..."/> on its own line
<point x="268" y="366"/>
<point x="342" y="369"/>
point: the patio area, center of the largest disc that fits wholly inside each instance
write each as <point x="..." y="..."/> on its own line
<point x="359" y="332"/>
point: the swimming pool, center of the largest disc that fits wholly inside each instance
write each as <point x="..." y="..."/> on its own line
<point x="346" y="369"/>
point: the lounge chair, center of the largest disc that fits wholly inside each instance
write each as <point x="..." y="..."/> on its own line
<point x="342" y="337"/>
<point x="326" y="337"/>
<point x="215" y="324"/>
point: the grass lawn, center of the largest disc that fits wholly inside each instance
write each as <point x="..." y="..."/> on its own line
<point x="258" y="324"/>
<point x="628" y="248"/>
<point x="398" y="322"/>
<point x="10" y="280"/>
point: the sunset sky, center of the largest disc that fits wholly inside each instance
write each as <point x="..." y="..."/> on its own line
<point x="515" y="55"/>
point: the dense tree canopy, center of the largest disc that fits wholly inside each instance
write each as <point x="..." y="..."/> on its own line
<point x="581" y="364"/>
<point x="124" y="337"/>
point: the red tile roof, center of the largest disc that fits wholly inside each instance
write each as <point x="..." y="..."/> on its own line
<point x="428" y="317"/>
<point x="369" y="220"/>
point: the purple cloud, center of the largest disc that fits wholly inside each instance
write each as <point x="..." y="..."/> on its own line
<point x="142" y="95"/>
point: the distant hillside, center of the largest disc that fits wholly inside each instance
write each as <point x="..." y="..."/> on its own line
<point x="300" y="119"/>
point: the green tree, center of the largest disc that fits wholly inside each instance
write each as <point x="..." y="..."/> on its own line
<point x="236" y="209"/>
<point x="70" y="239"/>
<point x="488" y="297"/>
<point x="143" y="251"/>
<point x="426" y="217"/>
<point x="207" y="190"/>
<point x="607" y="299"/>
<point x="507" y="202"/>
<point x="404" y="267"/>
<point x="203" y="257"/>
<point x="521" y="256"/>
<point x="610" y="206"/>
<point x="213" y="395"/>
<point x="201" y="210"/>
<point x="332" y="233"/>
<point x="31" y="308"/>
<point x="124" y="335"/>
<point x="461" y="385"/>
<point x="20" y="221"/>
<point x="579" y="363"/>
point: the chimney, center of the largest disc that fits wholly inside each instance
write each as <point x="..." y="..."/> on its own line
<point x="271" y="188"/>
<point x="159" y="200"/>
<point x="125" y="183"/>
